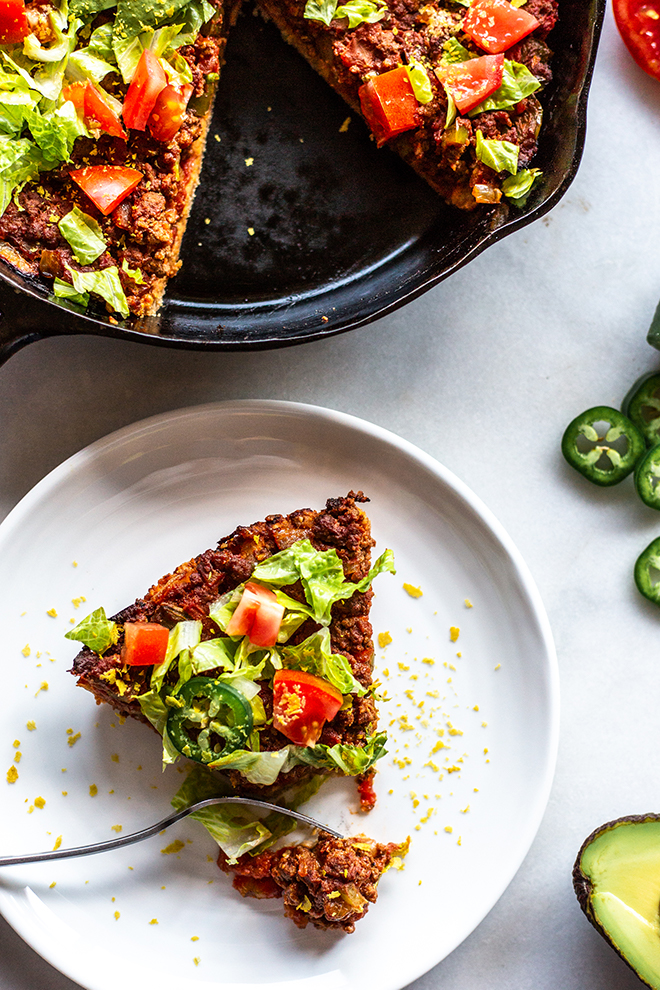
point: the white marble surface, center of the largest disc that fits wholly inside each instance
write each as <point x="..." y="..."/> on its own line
<point x="483" y="372"/>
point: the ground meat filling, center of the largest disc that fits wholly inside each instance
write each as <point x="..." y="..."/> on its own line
<point x="143" y="231"/>
<point x="329" y="885"/>
<point x="188" y="592"/>
<point x="414" y="32"/>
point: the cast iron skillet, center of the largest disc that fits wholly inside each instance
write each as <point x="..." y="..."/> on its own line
<point x="322" y="233"/>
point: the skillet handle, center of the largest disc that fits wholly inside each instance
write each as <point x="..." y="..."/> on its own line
<point x="25" y="317"/>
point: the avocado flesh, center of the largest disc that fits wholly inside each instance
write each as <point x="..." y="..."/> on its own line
<point x="623" y="865"/>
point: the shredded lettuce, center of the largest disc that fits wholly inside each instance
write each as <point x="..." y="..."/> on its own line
<point x="55" y="133"/>
<point x="454" y="51"/>
<point x="357" y="11"/>
<point x="96" y="631"/>
<point x="184" y="636"/>
<point x="351" y="760"/>
<point x="321" y="574"/>
<point x="85" y="64"/>
<point x="104" y="283"/>
<point x="258" y="768"/>
<point x="133" y="273"/>
<point x="154" y="708"/>
<point x="62" y="290"/>
<point x="420" y="82"/>
<point x="20" y="161"/>
<point x="84" y="235"/>
<point x="517" y="187"/>
<point x="315" y="656"/>
<point x="498" y="155"/>
<point x="517" y="83"/>
<point x="234" y="828"/>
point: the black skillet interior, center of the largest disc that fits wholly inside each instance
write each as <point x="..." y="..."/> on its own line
<point x="301" y="227"/>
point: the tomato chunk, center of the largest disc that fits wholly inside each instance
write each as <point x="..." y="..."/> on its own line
<point x="302" y="704"/>
<point x="638" y="22"/>
<point x="258" y="616"/>
<point x="471" y="82"/>
<point x="495" y="25"/>
<point x="13" y="22"/>
<point x="145" y="643"/>
<point x="167" y="115"/>
<point x="92" y="104"/>
<point x="106" y="185"/>
<point x="149" y="80"/>
<point x="389" y="104"/>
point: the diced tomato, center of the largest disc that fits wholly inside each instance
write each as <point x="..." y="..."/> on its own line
<point x="471" y="82"/>
<point x="13" y="22"/>
<point x="145" y="643"/>
<point x="495" y="25"/>
<point x="149" y="80"/>
<point x="638" y="22"/>
<point x="91" y="103"/>
<point x="367" y="792"/>
<point x="106" y="185"/>
<point x="302" y="704"/>
<point x="258" y="616"/>
<point x="389" y="104"/>
<point x="167" y="115"/>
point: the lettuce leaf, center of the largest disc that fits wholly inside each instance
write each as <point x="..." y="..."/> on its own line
<point x="84" y="235"/>
<point x="351" y="760"/>
<point x="454" y="51"/>
<point x="62" y="290"/>
<point x="321" y="574"/>
<point x="234" y="828"/>
<point x="517" y="187"/>
<point x="259" y="768"/>
<point x="315" y="656"/>
<point x="20" y="161"/>
<point x="85" y="64"/>
<point x="498" y="155"/>
<point x="154" y="708"/>
<point x="104" y="283"/>
<point x="212" y="653"/>
<point x="96" y="631"/>
<point x="320" y="10"/>
<point x="420" y="82"/>
<point x="88" y="9"/>
<point x="55" y="132"/>
<point x="517" y="83"/>
<point x="361" y="12"/>
<point x="183" y="636"/>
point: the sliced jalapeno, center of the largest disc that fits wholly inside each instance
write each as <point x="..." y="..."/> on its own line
<point x="647" y="572"/>
<point x="603" y="445"/>
<point x="642" y="406"/>
<point x="647" y="477"/>
<point x="218" y="714"/>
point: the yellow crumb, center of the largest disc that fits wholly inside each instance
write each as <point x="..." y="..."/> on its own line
<point x="484" y="725"/>
<point x="448" y="828"/>
<point x="115" y="758"/>
<point x="384" y="639"/>
<point x="497" y="666"/>
<point x="250" y="231"/>
<point x="194" y="938"/>
<point x="93" y="790"/>
<point x="58" y="843"/>
<point x="468" y="603"/>
<point x="429" y="661"/>
<point x="174" y="847"/>
<point x="39" y="802"/>
<point x="74" y="563"/>
<point x="12" y="775"/>
<point x="42" y="687"/>
<point x="117" y="914"/>
<point x="64" y="793"/>
<point x="465" y="810"/>
<point x="475" y="708"/>
<point x="72" y="740"/>
<point x="386" y="672"/>
<point x="249" y="161"/>
<point x="412" y="590"/>
<point x="26" y="650"/>
<point x="52" y="613"/>
<point x="17" y="758"/>
<point x="154" y="921"/>
<point x="31" y="726"/>
<point x="403" y="666"/>
<point x="485" y="750"/>
<point x="458" y="842"/>
<point x="344" y="126"/>
<point x="51" y="885"/>
<point x="116" y="828"/>
<point x="76" y="602"/>
<point x="454" y="633"/>
<point x="196" y="960"/>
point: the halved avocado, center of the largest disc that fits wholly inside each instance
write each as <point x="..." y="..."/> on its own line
<point x="617" y="881"/>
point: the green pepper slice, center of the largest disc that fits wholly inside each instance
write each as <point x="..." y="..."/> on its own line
<point x="647" y="572"/>
<point x="215" y="709"/>
<point x="642" y="406"/>
<point x="603" y="445"/>
<point x="647" y="478"/>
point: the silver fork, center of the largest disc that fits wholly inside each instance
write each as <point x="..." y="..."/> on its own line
<point x="146" y="833"/>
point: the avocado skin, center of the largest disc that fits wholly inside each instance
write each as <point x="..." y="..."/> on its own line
<point x="582" y="885"/>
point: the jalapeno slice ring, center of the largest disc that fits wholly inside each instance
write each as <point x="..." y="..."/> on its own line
<point x="647" y="478"/>
<point x="647" y="572"/>
<point x="215" y="709"/>
<point x="642" y="406"/>
<point x="605" y="455"/>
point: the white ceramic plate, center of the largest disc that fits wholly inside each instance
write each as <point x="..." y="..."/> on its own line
<point x="130" y="508"/>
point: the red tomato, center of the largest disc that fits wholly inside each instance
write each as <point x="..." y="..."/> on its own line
<point x="389" y="104"/>
<point x="91" y="104"/>
<point x="106" y="185"/>
<point x="147" y="83"/>
<point x="145" y="643"/>
<point x="13" y="22"/>
<point x="639" y="26"/>
<point x="302" y="704"/>
<point x="258" y="616"/>
<point x="167" y="115"/>
<point x="495" y="25"/>
<point x="471" y="82"/>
